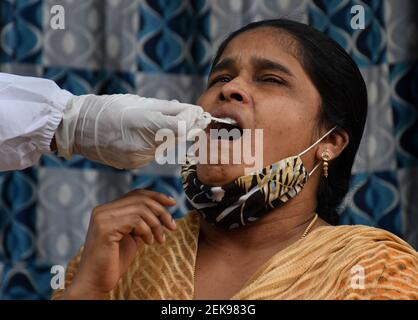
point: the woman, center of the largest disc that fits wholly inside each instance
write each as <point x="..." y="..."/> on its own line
<point x="257" y="236"/>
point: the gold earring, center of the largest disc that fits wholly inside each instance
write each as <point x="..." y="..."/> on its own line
<point x="325" y="157"/>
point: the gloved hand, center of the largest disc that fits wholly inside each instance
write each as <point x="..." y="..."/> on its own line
<point x="119" y="130"/>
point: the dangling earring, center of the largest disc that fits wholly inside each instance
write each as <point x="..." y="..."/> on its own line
<point x="325" y="157"/>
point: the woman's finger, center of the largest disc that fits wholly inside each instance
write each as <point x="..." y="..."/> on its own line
<point x="140" y="199"/>
<point x="154" y="223"/>
<point x="144" y="231"/>
<point x="138" y="195"/>
<point x="162" y="198"/>
<point x="162" y="213"/>
<point x="155" y="216"/>
<point x="113" y="229"/>
<point x="144" y="223"/>
<point x="151" y="212"/>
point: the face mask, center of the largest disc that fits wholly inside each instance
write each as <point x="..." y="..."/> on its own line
<point x="248" y="197"/>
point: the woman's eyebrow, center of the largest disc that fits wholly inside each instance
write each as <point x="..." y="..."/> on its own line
<point x="257" y="62"/>
<point x="266" y="64"/>
<point x="227" y="63"/>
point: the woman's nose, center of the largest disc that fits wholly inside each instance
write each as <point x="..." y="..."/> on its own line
<point x="233" y="92"/>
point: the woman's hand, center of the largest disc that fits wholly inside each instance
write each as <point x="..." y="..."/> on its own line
<point x="116" y="231"/>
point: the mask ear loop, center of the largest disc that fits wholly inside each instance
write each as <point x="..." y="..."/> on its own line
<point x="313" y="170"/>
<point x="309" y="148"/>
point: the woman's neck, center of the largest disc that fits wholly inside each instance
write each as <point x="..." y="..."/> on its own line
<point x="275" y="231"/>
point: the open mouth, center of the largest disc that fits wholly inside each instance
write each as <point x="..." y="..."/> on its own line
<point x="225" y="129"/>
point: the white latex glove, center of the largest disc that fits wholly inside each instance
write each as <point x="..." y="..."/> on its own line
<point x="119" y="130"/>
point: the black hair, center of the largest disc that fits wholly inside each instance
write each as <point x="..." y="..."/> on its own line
<point x="343" y="100"/>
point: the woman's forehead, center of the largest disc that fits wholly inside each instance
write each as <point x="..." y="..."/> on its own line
<point x="262" y="42"/>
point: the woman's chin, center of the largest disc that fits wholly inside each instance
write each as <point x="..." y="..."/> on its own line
<point x="218" y="175"/>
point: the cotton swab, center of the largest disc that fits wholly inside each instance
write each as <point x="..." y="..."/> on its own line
<point x="233" y="122"/>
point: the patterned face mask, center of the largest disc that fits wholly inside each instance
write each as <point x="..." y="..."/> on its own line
<point x="248" y="197"/>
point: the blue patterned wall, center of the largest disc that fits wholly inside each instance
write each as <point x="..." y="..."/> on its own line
<point x="163" y="48"/>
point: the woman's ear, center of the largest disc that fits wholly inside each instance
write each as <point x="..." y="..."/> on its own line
<point x="335" y="143"/>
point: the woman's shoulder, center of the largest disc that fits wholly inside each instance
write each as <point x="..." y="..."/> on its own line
<point x="356" y="235"/>
<point x="380" y="264"/>
<point x="367" y="242"/>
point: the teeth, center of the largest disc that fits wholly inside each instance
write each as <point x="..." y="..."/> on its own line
<point x="226" y="120"/>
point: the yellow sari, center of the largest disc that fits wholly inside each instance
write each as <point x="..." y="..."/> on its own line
<point x="344" y="262"/>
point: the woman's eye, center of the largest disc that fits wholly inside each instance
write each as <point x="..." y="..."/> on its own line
<point x="273" y="80"/>
<point x="220" y="79"/>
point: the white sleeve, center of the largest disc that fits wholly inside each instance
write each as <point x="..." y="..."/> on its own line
<point x="30" y="111"/>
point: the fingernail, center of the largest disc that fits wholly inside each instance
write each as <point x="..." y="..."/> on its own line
<point x="171" y="198"/>
<point x="164" y="237"/>
<point x="173" y="221"/>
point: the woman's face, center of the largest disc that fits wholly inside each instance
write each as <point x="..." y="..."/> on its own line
<point x="259" y="82"/>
